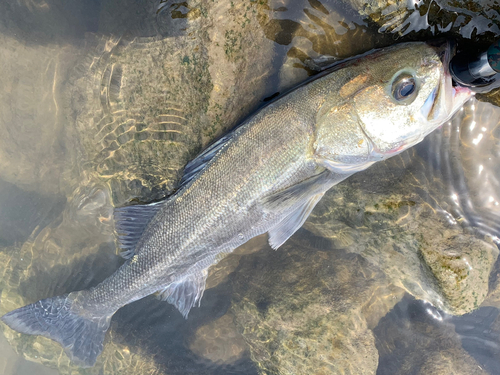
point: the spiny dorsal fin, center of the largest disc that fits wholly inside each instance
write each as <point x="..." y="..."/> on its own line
<point x="198" y="163"/>
<point x="186" y="292"/>
<point x="130" y="222"/>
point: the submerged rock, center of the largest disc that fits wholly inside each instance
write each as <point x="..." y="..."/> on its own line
<point x="309" y="310"/>
<point x="314" y="34"/>
<point x="390" y="215"/>
<point x="128" y="107"/>
<point x="144" y="107"/>
<point x="219" y="341"/>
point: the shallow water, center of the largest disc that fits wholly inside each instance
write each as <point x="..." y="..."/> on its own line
<point x="102" y="104"/>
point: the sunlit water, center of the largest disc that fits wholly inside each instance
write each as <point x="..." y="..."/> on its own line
<point x="102" y="104"/>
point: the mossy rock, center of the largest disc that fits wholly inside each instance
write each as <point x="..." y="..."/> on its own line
<point x="304" y="309"/>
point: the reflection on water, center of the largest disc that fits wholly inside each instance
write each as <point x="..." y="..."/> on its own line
<point x="102" y="103"/>
<point x="463" y="153"/>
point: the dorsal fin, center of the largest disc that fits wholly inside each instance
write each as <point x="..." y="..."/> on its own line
<point x="198" y="163"/>
<point x="130" y="222"/>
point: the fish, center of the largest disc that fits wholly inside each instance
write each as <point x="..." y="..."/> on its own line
<point x="265" y="176"/>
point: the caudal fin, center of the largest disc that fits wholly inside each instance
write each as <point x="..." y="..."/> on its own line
<point x="79" y="332"/>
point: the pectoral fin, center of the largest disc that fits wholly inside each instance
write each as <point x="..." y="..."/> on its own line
<point x="344" y="168"/>
<point x="186" y="292"/>
<point x="292" y="222"/>
<point x="296" y="203"/>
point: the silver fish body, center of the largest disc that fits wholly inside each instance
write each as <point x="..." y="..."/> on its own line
<point x="265" y="176"/>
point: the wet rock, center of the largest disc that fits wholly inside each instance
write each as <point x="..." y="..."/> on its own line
<point x="136" y="107"/>
<point x="307" y="310"/>
<point x="143" y="107"/>
<point x="314" y="34"/>
<point x="467" y="19"/>
<point x="389" y="215"/>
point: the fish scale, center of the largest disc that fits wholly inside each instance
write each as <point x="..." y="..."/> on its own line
<point x="265" y="176"/>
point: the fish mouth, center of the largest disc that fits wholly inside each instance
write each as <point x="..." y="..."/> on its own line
<point x="445" y="49"/>
<point x="448" y="96"/>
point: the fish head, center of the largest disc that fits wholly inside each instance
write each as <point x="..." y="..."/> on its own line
<point x="394" y="98"/>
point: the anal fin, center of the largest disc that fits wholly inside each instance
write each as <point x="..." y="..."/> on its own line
<point x="185" y="292"/>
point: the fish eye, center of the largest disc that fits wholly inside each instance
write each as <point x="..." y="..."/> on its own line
<point x="403" y="88"/>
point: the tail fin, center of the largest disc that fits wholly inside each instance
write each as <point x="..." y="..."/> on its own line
<point x="58" y="318"/>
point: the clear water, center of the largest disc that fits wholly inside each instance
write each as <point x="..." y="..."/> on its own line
<point x="103" y="102"/>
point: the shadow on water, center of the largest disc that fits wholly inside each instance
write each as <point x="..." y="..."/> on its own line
<point x="81" y="273"/>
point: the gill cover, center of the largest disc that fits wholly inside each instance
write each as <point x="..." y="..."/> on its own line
<point x="389" y="103"/>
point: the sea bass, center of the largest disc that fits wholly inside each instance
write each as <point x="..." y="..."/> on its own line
<point x="265" y="176"/>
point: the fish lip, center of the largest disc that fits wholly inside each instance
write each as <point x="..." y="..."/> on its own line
<point x="462" y="90"/>
<point x="446" y="49"/>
